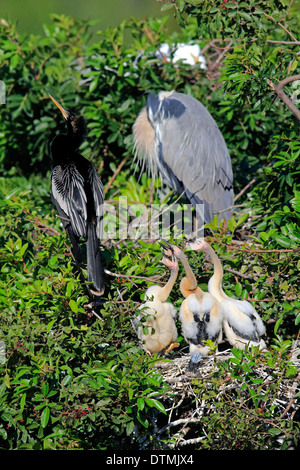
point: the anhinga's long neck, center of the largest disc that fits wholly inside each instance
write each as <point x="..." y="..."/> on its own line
<point x="215" y="282"/>
<point x="166" y="290"/>
<point x="190" y="282"/>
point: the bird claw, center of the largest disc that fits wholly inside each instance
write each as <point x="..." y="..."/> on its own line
<point x="172" y="346"/>
<point x="194" y="363"/>
<point x="193" y="366"/>
<point x="90" y="310"/>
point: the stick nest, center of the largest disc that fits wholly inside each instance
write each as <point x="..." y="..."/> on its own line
<point x="191" y="404"/>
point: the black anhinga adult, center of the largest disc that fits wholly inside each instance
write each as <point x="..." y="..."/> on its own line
<point x="77" y="193"/>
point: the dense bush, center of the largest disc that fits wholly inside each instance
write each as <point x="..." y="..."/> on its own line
<point x="74" y="376"/>
<point x="77" y="378"/>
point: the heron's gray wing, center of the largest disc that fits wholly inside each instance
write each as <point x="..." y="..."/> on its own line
<point x="191" y="150"/>
<point x="68" y="193"/>
<point x="98" y="196"/>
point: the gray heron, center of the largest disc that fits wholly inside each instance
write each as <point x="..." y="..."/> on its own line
<point x="180" y="142"/>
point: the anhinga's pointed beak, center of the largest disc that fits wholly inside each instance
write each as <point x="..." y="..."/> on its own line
<point x="168" y="249"/>
<point x="65" y="113"/>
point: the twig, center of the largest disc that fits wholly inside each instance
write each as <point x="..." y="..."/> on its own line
<point x="115" y="174"/>
<point x="131" y="276"/>
<point x="242" y="42"/>
<point x="178" y="422"/>
<point x="287" y="43"/>
<point x="283" y="96"/>
<point x="42" y="226"/>
<point x="191" y="441"/>
<point x="281" y="26"/>
<point x="237" y="273"/>
<point x="212" y="44"/>
<point x="249" y="250"/>
<point x="219" y="59"/>
<point x="244" y="189"/>
<point x="291" y="402"/>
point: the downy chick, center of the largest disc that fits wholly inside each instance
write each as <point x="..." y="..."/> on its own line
<point x="242" y="324"/>
<point x="160" y="315"/>
<point x="200" y="315"/>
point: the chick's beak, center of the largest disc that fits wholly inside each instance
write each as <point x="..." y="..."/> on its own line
<point x="168" y="249"/>
<point x="65" y="113"/>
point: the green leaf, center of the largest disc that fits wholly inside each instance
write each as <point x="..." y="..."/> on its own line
<point x="129" y="428"/>
<point x="23" y="249"/>
<point x="73" y="305"/>
<point x="53" y="261"/>
<point x="238" y="289"/>
<point x="140" y="403"/>
<point x="275" y="431"/>
<point x="22" y="402"/>
<point x="283" y="241"/>
<point x="242" y="220"/>
<point x="45" y="416"/>
<point x="152" y="402"/>
<point x="277" y="324"/>
<point x="45" y="389"/>
<point x="3" y="433"/>
<point x="7" y="380"/>
<point x="237" y="353"/>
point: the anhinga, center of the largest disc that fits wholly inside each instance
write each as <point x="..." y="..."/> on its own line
<point x="160" y="315"/>
<point x="242" y="324"/>
<point x="77" y="193"/>
<point x="200" y="315"/>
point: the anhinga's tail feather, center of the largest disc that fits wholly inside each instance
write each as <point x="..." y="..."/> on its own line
<point x="94" y="269"/>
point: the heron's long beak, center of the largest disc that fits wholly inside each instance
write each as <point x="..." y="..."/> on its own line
<point x="63" y="110"/>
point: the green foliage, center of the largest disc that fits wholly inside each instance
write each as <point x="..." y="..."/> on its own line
<point x="276" y="196"/>
<point x="68" y="381"/>
<point x="75" y="377"/>
<point x="257" y="40"/>
<point x="29" y="66"/>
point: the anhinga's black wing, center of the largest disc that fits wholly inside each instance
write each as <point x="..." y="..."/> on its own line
<point x="69" y="196"/>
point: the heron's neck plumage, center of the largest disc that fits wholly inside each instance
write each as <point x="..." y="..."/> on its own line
<point x="144" y="135"/>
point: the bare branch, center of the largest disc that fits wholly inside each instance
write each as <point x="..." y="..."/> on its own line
<point x="131" y="276"/>
<point x="281" y="26"/>
<point x="283" y="96"/>
<point x="110" y="182"/>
